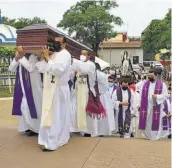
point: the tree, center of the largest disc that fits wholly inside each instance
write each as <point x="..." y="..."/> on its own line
<point x="90" y="22"/>
<point x="157" y="35"/>
<point x="22" y="22"/>
<point x="6" y="54"/>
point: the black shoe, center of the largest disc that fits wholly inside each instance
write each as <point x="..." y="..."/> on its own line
<point x="27" y="131"/>
<point x="169" y="136"/>
<point x="121" y="136"/>
<point x="31" y="133"/>
<point x="132" y="135"/>
<point x="101" y="135"/>
<point x="87" y="135"/>
<point x="77" y="133"/>
<point x="47" y="150"/>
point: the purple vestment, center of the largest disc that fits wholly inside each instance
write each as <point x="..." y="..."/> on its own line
<point x="18" y="94"/>
<point x="144" y="106"/>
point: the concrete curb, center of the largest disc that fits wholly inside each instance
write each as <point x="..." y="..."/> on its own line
<point x="6" y="98"/>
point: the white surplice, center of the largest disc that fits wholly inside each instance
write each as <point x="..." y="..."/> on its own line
<point x="73" y="104"/>
<point x="124" y="108"/>
<point x="135" y="120"/>
<point x="111" y="91"/>
<point x="87" y="68"/>
<point x="165" y="133"/>
<point x="106" y="125"/>
<point x="139" y="85"/>
<point x="57" y="134"/>
<point x="154" y="135"/>
<point x="25" y="121"/>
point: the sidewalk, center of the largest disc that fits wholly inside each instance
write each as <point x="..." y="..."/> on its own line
<point x="19" y="151"/>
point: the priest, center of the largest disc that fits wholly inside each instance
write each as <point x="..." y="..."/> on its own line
<point x="79" y="92"/>
<point x="27" y="102"/>
<point x="153" y="95"/>
<point x="104" y="126"/>
<point x="88" y="100"/>
<point x="125" y="108"/>
<point x="112" y="84"/>
<point x="166" y="120"/>
<point x="54" y="129"/>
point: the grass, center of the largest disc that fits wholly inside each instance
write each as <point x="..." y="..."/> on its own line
<point x="5" y="93"/>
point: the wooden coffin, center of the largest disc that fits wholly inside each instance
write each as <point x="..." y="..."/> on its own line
<point x="34" y="37"/>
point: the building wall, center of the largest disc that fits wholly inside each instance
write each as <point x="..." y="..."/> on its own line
<point x="113" y="56"/>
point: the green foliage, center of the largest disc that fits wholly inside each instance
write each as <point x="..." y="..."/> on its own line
<point x="7" y="52"/>
<point x="90" y="22"/>
<point x="22" y="22"/>
<point x="158" y="34"/>
<point x="5" y="93"/>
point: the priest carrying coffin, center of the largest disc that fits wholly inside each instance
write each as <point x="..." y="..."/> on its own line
<point x="54" y="130"/>
<point x="27" y="102"/>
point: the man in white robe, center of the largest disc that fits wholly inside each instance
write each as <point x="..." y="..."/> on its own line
<point x="82" y="68"/>
<point x="140" y="83"/>
<point x="135" y="118"/>
<point x="73" y="105"/>
<point x="152" y="95"/>
<point x="125" y="106"/>
<point x="167" y="118"/>
<point x="104" y="126"/>
<point x="54" y="130"/>
<point x="112" y="84"/>
<point x="27" y="102"/>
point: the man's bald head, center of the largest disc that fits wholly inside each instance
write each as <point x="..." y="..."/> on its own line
<point x="84" y="52"/>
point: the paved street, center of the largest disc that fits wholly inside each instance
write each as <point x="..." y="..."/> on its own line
<point x="19" y="151"/>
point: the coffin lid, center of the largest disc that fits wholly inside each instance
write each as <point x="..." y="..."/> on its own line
<point x="45" y="26"/>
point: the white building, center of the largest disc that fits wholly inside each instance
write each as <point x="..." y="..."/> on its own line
<point x="8" y="35"/>
<point x="110" y="50"/>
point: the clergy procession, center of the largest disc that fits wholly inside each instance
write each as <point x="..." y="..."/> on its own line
<point x="57" y="96"/>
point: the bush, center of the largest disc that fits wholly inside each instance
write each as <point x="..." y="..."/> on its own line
<point x="7" y="52"/>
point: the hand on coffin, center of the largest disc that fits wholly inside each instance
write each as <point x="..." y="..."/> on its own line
<point x="19" y="53"/>
<point x="45" y="52"/>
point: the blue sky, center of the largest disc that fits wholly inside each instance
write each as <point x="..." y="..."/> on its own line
<point x="136" y="14"/>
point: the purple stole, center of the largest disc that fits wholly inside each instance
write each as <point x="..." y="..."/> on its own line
<point x="124" y="128"/>
<point x="166" y="121"/>
<point x="115" y="86"/>
<point x="144" y="106"/>
<point x="18" y="94"/>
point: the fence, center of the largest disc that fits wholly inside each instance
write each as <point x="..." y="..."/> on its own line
<point x="7" y="81"/>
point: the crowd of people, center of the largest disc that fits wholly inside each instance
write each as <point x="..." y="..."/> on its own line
<point x="56" y="96"/>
